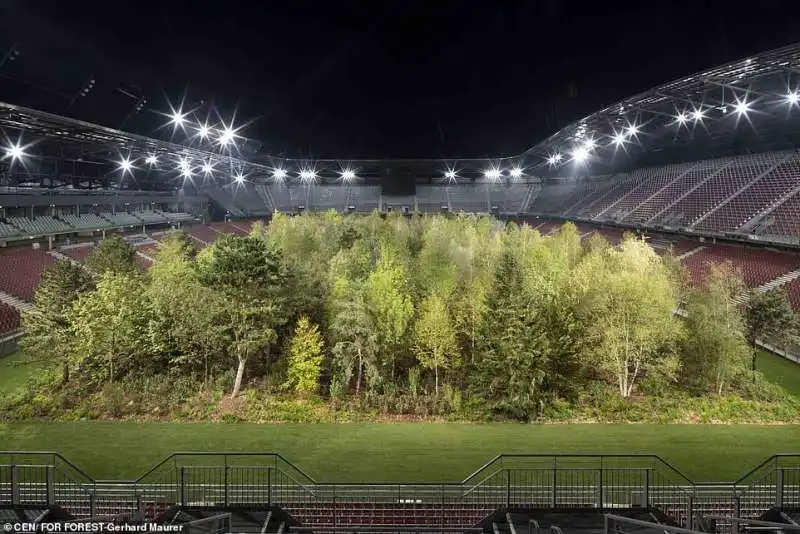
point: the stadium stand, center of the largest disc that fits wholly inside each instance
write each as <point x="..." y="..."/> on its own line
<point x="365" y="198"/>
<point x="78" y="252"/>
<point x="87" y="221"/>
<point x="8" y="230"/>
<point x="783" y="220"/>
<point x="233" y="228"/>
<point x="122" y="218"/>
<point x="202" y="233"/>
<point x="20" y="270"/>
<point x="758" y="266"/>
<point x="39" y="225"/>
<point x="9" y="318"/>
<point x="430" y="199"/>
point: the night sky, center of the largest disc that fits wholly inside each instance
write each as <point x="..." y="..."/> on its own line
<point x="373" y="79"/>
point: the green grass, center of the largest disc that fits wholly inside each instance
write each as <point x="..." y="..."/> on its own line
<point x="405" y="452"/>
<point x="15" y="370"/>
<point x="780" y="371"/>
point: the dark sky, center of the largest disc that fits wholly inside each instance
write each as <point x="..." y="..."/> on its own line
<point x="376" y="79"/>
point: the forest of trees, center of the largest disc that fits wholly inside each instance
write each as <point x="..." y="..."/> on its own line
<point x="457" y="316"/>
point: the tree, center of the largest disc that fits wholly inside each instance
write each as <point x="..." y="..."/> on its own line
<point x="305" y="357"/>
<point x="715" y="349"/>
<point x="435" y="338"/>
<point x="356" y="344"/>
<point x="628" y="308"/>
<point x="389" y="302"/>
<point x="768" y="316"/>
<point x="110" y="328"/>
<point x="251" y="276"/>
<point x="113" y="254"/>
<point x="47" y="334"/>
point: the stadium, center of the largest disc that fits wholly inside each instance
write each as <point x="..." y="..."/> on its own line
<point x="183" y="291"/>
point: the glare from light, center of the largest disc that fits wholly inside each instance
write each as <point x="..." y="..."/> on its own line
<point x="450" y="175"/>
<point x="589" y="144"/>
<point x="698" y="115"/>
<point x="516" y="172"/>
<point x="186" y="172"/>
<point x="619" y="139"/>
<point x="681" y="118"/>
<point x="184" y="165"/>
<point x="151" y="159"/>
<point x="632" y="130"/>
<point x="125" y="165"/>
<point x="348" y="175"/>
<point x="226" y="137"/>
<point x="178" y="118"/>
<point x="493" y="174"/>
<point x="203" y="131"/>
<point x="279" y="174"/>
<point x="208" y="168"/>
<point x="15" y="152"/>
<point x="580" y="154"/>
<point x="239" y="177"/>
<point x="554" y="158"/>
<point x="742" y="107"/>
<point x="792" y="97"/>
<point x="308" y="175"/>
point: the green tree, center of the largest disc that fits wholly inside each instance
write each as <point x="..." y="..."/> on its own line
<point x="435" y="338"/>
<point x="252" y="278"/>
<point x="715" y="349"/>
<point x="113" y="254"/>
<point x="47" y="333"/>
<point x="769" y="316"/>
<point x="110" y="329"/>
<point x="628" y="308"/>
<point x="356" y="344"/>
<point x="305" y="357"/>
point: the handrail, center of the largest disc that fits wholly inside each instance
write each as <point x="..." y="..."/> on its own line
<point x="646" y="524"/>
<point x="48" y="453"/>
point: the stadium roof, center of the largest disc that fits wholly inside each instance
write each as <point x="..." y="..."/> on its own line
<point x="749" y="105"/>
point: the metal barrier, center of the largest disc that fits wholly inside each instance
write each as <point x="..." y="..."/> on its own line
<point x="746" y="525"/>
<point x="557" y="482"/>
<point x="614" y="524"/>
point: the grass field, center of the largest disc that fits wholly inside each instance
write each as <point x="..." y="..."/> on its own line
<point x="401" y="452"/>
<point x="409" y="452"/>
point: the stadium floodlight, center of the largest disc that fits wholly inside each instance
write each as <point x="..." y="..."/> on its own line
<point x="589" y="144"/>
<point x="308" y="175"/>
<point x="208" y="168"/>
<point x="619" y="139"/>
<point x="203" y="131"/>
<point x="681" y="118"/>
<point x="698" y="115"/>
<point x="632" y="130"/>
<point x="177" y="118"/>
<point x="792" y="97"/>
<point x="239" y="177"/>
<point x="279" y="174"/>
<point x="15" y="152"/>
<point x="348" y="175"/>
<point x="580" y="154"/>
<point x="516" y="172"/>
<point x="184" y="165"/>
<point x="227" y="135"/>
<point x="554" y="158"/>
<point x="151" y="159"/>
<point x="742" y="107"/>
<point x="186" y="172"/>
<point x="450" y="175"/>
<point x="493" y="174"/>
<point x="125" y="165"/>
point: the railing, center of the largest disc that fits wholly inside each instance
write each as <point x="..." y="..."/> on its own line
<point x="747" y="525"/>
<point x="559" y="482"/>
<point x="614" y="524"/>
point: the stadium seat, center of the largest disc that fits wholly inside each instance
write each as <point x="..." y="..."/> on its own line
<point x="20" y="271"/>
<point x="9" y="318"/>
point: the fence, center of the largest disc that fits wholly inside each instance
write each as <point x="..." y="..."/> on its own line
<point x="523" y="482"/>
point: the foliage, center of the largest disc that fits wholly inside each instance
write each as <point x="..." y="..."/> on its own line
<point x="769" y="317"/>
<point x="305" y="357"/>
<point x="458" y="317"/>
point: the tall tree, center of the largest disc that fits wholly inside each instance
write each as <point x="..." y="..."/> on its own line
<point x="435" y="338"/>
<point x="715" y="348"/>
<point x="47" y="334"/>
<point x="305" y="357"/>
<point x="113" y="254"/>
<point x="356" y="343"/>
<point x="251" y="276"/>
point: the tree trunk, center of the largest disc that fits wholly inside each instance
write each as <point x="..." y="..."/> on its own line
<point x="239" y="374"/>
<point x="358" y="375"/>
<point x="436" y="372"/>
<point x="65" y="375"/>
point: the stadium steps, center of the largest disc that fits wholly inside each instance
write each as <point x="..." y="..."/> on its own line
<point x="321" y="515"/>
<point x="781" y="280"/>
<point x="13" y="301"/>
<point x="755" y="221"/>
<point x="59" y="256"/>
<point x="690" y="253"/>
<point x="678" y="199"/>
